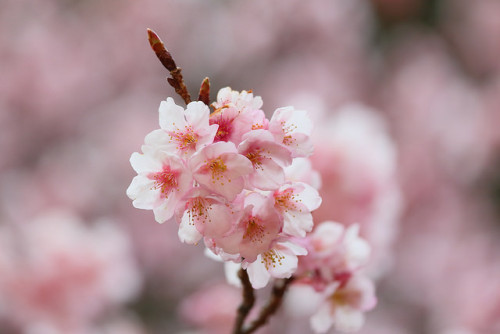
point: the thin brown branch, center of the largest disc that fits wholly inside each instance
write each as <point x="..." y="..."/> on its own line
<point x="247" y="303"/>
<point x="204" y="95"/>
<point x="177" y="81"/>
<point x="271" y="307"/>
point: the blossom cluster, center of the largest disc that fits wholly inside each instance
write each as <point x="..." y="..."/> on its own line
<point x="229" y="176"/>
<point x="334" y="268"/>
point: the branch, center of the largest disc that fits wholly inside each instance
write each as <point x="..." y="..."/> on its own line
<point x="177" y="82"/>
<point x="247" y="303"/>
<point x="272" y="305"/>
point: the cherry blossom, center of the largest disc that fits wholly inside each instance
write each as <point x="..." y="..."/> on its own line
<point x="256" y="229"/>
<point x="236" y="114"/>
<point x="344" y="304"/>
<point x="206" y="215"/>
<point x="268" y="159"/>
<point x="182" y="131"/>
<point x="292" y="128"/>
<point x="295" y="201"/>
<point x="334" y="251"/>
<point x="221" y="169"/>
<point x="161" y="182"/>
<point x="280" y="261"/>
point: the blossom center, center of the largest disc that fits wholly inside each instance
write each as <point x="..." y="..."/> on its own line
<point x="287" y="201"/>
<point x="254" y="232"/>
<point x="218" y="168"/>
<point x="166" y="181"/>
<point x="345" y="297"/>
<point x="197" y="210"/>
<point x="185" y="140"/>
<point x="225" y="126"/>
<point x="271" y="258"/>
<point x="287" y="132"/>
<point x="256" y="158"/>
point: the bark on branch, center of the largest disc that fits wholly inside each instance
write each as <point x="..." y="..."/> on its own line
<point x="176" y="81"/>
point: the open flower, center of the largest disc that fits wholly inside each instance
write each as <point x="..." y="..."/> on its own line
<point x="221" y="169"/>
<point x="292" y="128"/>
<point x="280" y="261"/>
<point x="161" y="182"/>
<point x="242" y="101"/>
<point x="268" y="159"/>
<point x="236" y="114"/>
<point x="344" y="305"/>
<point x="205" y="215"/>
<point x="295" y="201"/>
<point x="182" y="131"/>
<point x="334" y="251"/>
<point x="256" y="229"/>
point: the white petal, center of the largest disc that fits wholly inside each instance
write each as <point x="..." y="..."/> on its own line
<point x="166" y="210"/>
<point x="322" y="320"/>
<point x="258" y="274"/>
<point x="142" y="193"/>
<point x="309" y="197"/>
<point x="294" y="248"/>
<point x="171" y="115"/>
<point x="197" y="114"/>
<point x="347" y="319"/>
<point x="158" y="137"/>
<point x="231" y="271"/>
<point x="270" y="177"/>
<point x="285" y="267"/>
<point x="187" y="231"/>
<point x="298" y="223"/>
<point x="143" y="163"/>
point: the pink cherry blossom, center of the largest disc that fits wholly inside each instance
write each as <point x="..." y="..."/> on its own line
<point x="205" y="215"/>
<point x="236" y="114"/>
<point x="182" y="131"/>
<point x="292" y="128"/>
<point x="301" y="170"/>
<point x="295" y="201"/>
<point x="161" y="182"/>
<point x="257" y="228"/>
<point x="242" y="101"/>
<point x="280" y="261"/>
<point x="221" y="169"/>
<point x="333" y="253"/>
<point x="343" y="305"/>
<point x="268" y="159"/>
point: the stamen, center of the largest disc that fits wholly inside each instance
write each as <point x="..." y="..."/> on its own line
<point x="287" y="201"/>
<point x="166" y="180"/>
<point x="218" y="168"/>
<point x="186" y="140"/>
<point x="255" y="232"/>
<point x="256" y="158"/>
<point x="271" y="258"/>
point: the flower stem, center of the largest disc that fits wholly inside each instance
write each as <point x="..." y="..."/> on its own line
<point x="176" y="81"/>
<point x="267" y="310"/>
<point x="272" y="305"/>
<point x="247" y="303"/>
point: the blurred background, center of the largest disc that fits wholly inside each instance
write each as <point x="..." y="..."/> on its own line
<point x="407" y="98"/>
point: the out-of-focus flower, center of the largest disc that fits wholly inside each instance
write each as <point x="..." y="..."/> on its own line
<point x="59" y="275"/>
<point x="343" y="306"/>
<point x="356" y="159"/>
